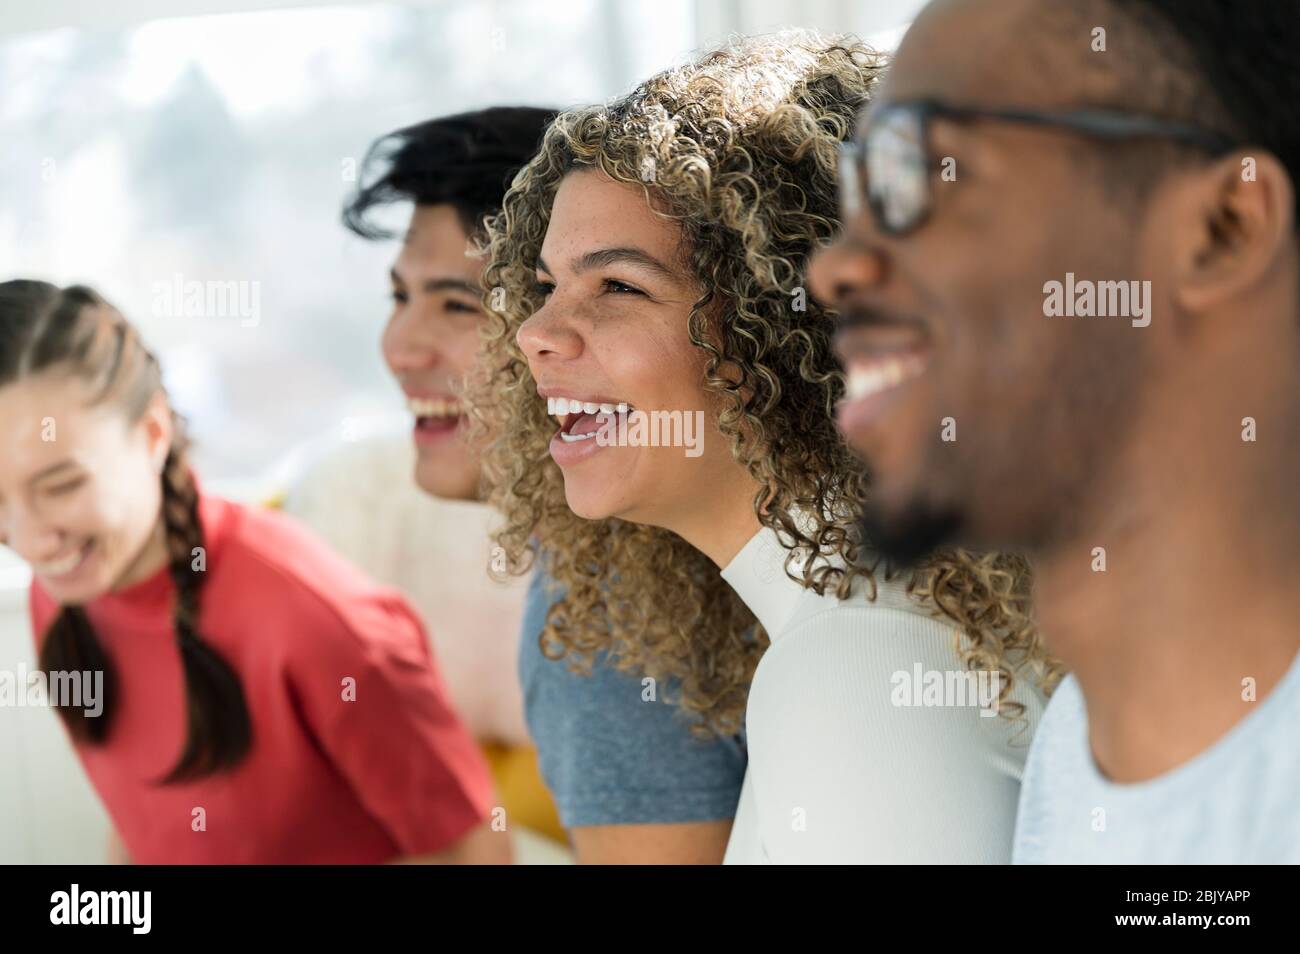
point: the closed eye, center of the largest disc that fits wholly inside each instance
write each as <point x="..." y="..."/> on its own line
<point x="65" y="488"/>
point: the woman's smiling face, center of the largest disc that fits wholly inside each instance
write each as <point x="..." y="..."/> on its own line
<point x="613" y="329"/>
<point x="80" y="495"/>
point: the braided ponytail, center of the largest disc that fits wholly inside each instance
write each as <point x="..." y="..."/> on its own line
<point x="220" y="732"/>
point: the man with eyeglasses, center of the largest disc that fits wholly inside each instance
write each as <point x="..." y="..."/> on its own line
<point x="1149" y="470"/>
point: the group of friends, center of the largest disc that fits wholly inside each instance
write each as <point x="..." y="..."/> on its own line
<point x="947" y="575"/>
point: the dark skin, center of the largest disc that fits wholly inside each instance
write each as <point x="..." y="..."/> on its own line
<point x="1074" y="434"/>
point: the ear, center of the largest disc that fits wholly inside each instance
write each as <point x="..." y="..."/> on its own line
<point x="1237" y="221"/>
<point x="158" y="430"/>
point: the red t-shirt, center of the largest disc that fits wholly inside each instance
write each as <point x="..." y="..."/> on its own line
<point x="392" y="773"/>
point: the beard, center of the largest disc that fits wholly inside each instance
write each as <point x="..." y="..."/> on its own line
<point x="905" y="539"/>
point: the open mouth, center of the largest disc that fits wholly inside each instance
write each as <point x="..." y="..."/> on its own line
<point x="582" y="420"/>
<point x="880" y="353"/>
<point x="435" y="416"/>
<point x="879" y="361"/>
<point x="868" y="375"/>
<point x="64" y="565"/>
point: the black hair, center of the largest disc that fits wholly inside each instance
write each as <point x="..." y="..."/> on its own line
<point x="1231" y="66"/>
<point x="466" y="161"/>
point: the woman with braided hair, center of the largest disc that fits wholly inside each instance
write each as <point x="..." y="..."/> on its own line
<point x="262" y="701"/>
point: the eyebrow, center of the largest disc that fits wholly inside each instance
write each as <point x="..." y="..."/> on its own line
<point x="623" y="254"/>
<point x="441" y="284"/>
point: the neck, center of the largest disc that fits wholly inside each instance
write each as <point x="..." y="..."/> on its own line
<point x="721" y="526"/>
<point x="151" y="558"/>
<point x="1200" y="596"/>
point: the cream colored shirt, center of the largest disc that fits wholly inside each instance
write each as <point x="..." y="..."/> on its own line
<point x="867" y="742"/>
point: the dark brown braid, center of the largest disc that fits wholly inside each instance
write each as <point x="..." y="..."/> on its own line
<point x="74" y="329"/>
<point x="220" y="731"/>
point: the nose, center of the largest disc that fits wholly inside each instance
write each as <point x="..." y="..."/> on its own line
<point x="548" y="334"/>
<point x="407" y="344"/>
<point x="850" y="266"/>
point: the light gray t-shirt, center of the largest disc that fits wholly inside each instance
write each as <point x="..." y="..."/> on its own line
<point x="1236" y="802"/>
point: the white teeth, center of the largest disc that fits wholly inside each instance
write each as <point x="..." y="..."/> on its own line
<point x="434" y="407"/>
<point x="574" y="438"/>
<point x="881" y="374"/>
<point x="861" y="382"/>
<point x="59" y="567"/>
<point x="561" y="407"/>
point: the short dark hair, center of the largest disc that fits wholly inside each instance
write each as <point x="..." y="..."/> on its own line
<point x="1232" y="66"/>
<point x="466" y="161"/>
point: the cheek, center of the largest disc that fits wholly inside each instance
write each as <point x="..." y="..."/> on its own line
<point x="990" y="333"/>
<point x="103" y="510"/>
<point x="89" y="513"/>
<point x="654" y="368"/>
<point x="462" y="349"/>
<point x="388" y="342"/>
<point x="129" y="504"/>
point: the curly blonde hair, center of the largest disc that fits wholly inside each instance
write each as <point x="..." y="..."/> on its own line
<point x="738" y="148"/>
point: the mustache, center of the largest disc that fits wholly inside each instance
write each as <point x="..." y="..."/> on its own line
<point x="865" y="316"/>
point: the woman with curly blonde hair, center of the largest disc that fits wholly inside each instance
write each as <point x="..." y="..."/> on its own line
<point x="660" y="414"/>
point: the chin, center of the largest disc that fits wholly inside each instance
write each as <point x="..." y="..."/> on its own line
<point x="588" y="503"/>
<point x="905" y="535"/>
<point x="447" y="483"/>
<point x="586" y="508"/>
<point x="75" y="594"/>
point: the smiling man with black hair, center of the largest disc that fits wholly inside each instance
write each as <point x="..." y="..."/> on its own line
<point x="1148" y="469"/>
